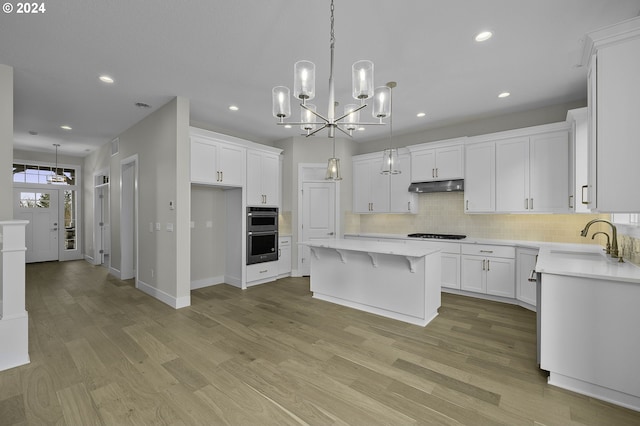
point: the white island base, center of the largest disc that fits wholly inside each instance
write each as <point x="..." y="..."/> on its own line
<point x="387" y="279"/>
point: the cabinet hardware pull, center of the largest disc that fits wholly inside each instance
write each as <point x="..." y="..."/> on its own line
<point x="408" y="205"/>
<point x="486" y="251"/>
<point x="433" y="173"/>
<point x="279" y="253"/>
<point x="570" y="199"/>
<point x="532" y="276"/>
<point x="483" y="263"/>
<point x="530" y="203"/>
<point x="488" y="265"/>
<point x="221" y="176"/>
<point x="467" y="205"/>
<point x="262" y="272"/>
<point x="583" y="188"/>
<point x="526" y="203"/>
<point x="436" y="172"/>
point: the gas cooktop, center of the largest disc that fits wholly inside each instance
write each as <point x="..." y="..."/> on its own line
<point x="438" y="236"/>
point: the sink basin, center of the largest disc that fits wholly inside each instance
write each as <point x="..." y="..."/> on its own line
<point x="583" y="255"/>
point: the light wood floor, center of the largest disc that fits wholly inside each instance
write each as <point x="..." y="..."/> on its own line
<point x="104" y="353"/>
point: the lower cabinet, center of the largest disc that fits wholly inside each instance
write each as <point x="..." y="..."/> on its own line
<point x="450" y="270"/>
<point x="525" y="289"/>
<point x="284" y="256"/>
<point x="260" y="273"/>
<point x="488" y="269"/>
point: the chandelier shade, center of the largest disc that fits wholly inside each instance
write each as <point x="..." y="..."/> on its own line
<point x="362" y="79"/>
<point x="304" y="80"/>
<point x="382" y="102"/>
<point x="352" y="116"/>
<point x="281" y="102"/>
<point x="307" y="117"/>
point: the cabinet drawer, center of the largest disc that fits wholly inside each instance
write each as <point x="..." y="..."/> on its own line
<point x="490" y="251"/>
<point x="262" y="271"/>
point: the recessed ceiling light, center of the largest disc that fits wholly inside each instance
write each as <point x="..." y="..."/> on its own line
<point x="420" y="114"/>
<point x="65" y="127"/>
<point x="233" y="107"/>
<point x="483" y="36"/>
<point x="106" y="79"/>
<point x="361" y="129"/>
<point x="287" y="126"/>
<point x="504" y="94"/>
<point x="142" y="105"/>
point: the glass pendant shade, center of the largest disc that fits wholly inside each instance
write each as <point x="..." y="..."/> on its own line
<point x="390" y="162"/>
<point x="362" y="79"/>
<point x="281" y="102"/>
<point x="351" y="120"/>
<point x="381" y="102"/>
<point x="304" y="80"/>
<point x="333" y="169"/>
<point x="307" y="118"/>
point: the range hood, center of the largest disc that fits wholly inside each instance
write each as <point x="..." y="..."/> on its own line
<point x="438" y="186"/>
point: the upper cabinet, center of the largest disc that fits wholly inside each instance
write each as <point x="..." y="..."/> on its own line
<point x="613" y="57"/>
<point x="263" y="178"/>
<point x="216" y="162"/>
<point x="520" y="171"/>
<point x="435" y="161"/>
<point x="480" y="184"/>
<point x="579" y="159"/>
<point x="374" y="192"/>
<point x="222" y="160"/>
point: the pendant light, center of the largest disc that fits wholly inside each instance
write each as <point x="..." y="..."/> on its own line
<point x="390" y="161"/>
<point x="55" y="177"/>
<point x="333" y="166"/>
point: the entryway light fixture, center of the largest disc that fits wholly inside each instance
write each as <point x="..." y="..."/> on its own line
<point x="304" y="90"/>
<point x="390" y="161"/>
<point x="55" y="177"/>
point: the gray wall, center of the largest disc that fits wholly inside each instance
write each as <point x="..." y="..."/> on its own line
<point x="161" y="142"/>
<point x="483" y="126"/>
<point x="6" y="142"/>
<point x="208" y="243"/>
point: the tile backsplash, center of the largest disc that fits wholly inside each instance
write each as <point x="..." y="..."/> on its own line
<point x="444" y="213"/>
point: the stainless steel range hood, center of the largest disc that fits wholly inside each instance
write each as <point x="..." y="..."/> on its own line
<point x="438" y="186"/>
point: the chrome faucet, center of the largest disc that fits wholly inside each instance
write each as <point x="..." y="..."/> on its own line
<point x="614" y="236"/>
<point x="608" y="249"/>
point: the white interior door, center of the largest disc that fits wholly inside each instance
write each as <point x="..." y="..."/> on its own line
<point x="40" y="208"/>
<point x="318" y="217"/>
<point x="128" y="234"/>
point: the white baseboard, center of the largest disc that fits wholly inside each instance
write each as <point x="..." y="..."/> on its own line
<point x="206" y="282"/>
<point x="115" y="272"/>
<point x="234" y="281"/>
<point x="174" y="302"/>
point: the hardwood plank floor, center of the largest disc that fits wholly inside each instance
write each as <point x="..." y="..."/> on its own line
<point x="105" y="353"/>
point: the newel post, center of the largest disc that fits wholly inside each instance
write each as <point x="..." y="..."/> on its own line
<point x="14" y="320"/>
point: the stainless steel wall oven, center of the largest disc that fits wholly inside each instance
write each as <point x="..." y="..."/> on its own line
<point x="262" y="234"/>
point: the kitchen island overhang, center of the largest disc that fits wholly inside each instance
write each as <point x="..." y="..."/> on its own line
<point x="395" y="280"/>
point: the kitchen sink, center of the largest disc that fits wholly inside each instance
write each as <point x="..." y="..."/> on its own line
<point x="583" y="255"/>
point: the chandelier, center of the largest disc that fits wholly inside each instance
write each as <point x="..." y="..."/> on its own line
<point x="349" y="120"/>
<point x="56" y="177"/>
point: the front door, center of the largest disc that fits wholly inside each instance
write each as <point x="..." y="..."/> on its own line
<point x="318" y="217"/>
<point x="40" y="208"/>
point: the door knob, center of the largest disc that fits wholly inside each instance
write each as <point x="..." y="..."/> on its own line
<point x="330" y="233"/>
<point x="54" y="229"/>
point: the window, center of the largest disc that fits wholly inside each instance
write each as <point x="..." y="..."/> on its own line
<point x="33" y="200"/>
<point x="70" y="212"/>
<point x="30" y="173"/>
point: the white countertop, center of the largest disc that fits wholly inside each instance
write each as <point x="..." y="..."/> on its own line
<point x="587" y="262"/>
<point x="579" y="260"/>
<point x="393" y="248"/>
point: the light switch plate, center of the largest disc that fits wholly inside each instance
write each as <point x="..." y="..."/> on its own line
<point x="169" y="227"/>
<point x="158" y="227"/>
<point x="209" y="224"/>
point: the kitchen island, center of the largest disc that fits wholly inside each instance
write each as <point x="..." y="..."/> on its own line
<point x="390" y="279"/>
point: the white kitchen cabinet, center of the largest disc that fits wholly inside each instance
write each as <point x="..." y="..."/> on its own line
<point x="488" y="269"/>
<point x="263" y="178"/>
<point x="370" y="188"/>
<point x="480" y="177"/>
<point x="450" y="270"/>
<point x="400" y="199"/>
<point x="216" y="162"/>
<point x="260" y="273"/>
<point x="613" y="56"/>
<point x="284" y="256"/>
<point x="437" y="161"/>
<point x="532" y="173"/>
<point x="579" y="160"/>
<point x="526" y="262"/>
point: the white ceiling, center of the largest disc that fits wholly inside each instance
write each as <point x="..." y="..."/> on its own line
<point x="221" y="53"/>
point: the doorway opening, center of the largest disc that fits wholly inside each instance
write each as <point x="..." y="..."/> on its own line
<point x="129" y="218"/>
